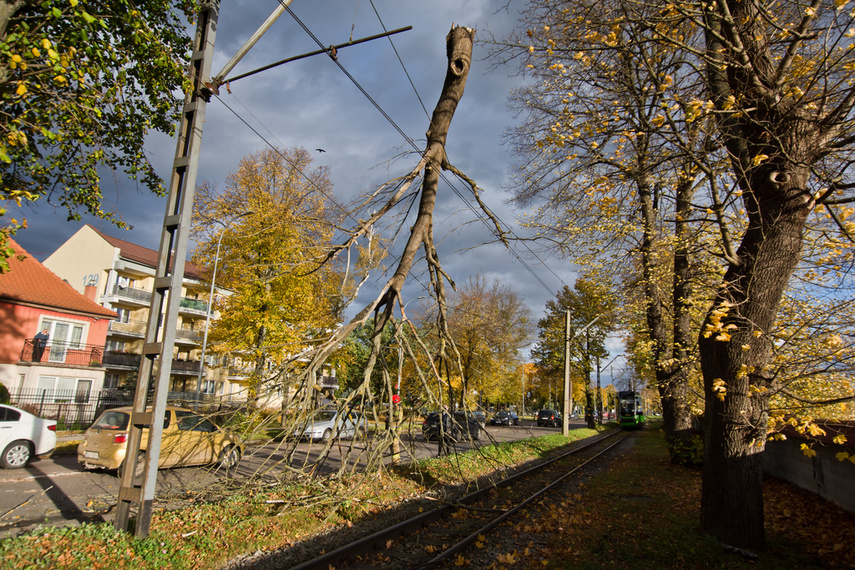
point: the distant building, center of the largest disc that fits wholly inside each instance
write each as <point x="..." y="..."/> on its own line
<point x="122" y="276"/>
<point x="67" y="366"/>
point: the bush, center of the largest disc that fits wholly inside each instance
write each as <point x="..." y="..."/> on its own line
<point x="5" y="396"/>
<point x="687" y="449"/>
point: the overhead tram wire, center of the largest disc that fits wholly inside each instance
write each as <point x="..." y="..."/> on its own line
<point x="401" y="61"/>
<point x="273" y="147"/>
<point x="421" y="102"/>
<point x="415" y="147"/>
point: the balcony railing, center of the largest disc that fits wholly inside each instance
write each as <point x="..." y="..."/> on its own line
<point x="187" y="336"/>
<point x="131" y="360"/>
<point x="328" y="382"/>
<point x="131" y="328"/>
<point x="193" y="305"/>
<point x="133" y="294"/>
<point x="185" y="367"/>
<point x="57" y="352"/>
<point x="113" y="358"/>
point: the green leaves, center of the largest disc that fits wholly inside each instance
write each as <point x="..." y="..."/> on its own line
<point x="84" y="94"/>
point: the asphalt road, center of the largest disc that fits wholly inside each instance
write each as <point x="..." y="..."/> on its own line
<point x="56" y="491"/>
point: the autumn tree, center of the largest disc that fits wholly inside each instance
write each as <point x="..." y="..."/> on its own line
<point x="82" y="83"/>
<point x="592" y="310"/>
<point x="767" y="88"/>
<point x="490" y="325"/>
<point x="271" y="223"/>
<point x="609" y="162"/>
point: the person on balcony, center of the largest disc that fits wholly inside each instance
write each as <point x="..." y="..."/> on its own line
<point x="39" y="344"/>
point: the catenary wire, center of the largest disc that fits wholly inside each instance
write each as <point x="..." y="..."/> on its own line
<point x="413" y="144"/>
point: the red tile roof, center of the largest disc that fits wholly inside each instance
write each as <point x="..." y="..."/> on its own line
<point x="146" y="256"/>
<point x="28" y="281"/>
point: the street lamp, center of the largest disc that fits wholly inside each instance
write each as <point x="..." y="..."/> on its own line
<point x="211" y="302"/>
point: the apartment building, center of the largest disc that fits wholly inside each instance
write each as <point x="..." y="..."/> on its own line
<point x="121" y="275"/>
<point x="51" y="337"/>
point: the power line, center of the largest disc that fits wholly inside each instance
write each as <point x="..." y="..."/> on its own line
<point x="413" y="144"/>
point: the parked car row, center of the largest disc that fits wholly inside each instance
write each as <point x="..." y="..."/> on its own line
<point x="459" y="426"/>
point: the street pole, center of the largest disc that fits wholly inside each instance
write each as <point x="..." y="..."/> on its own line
<point x="210" y="303"/>
<point x="568" y="395"/>
<point x="169" y="276"/>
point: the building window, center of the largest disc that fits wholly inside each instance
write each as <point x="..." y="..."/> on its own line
<point x="124" y="315"/>
<point x="111" y="381"/>
<point x="64" y="335"/>
<point x="115" y="345"/>
<point x="65" y="388"/>
<point x="209" y="387"/>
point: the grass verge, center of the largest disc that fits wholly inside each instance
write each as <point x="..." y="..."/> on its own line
<point x="644" y="512"/>
<point x="248" y="519"/>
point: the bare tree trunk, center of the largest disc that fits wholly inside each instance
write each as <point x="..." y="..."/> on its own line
<point x="733" y="346"/>
<point x="673" y="384"/>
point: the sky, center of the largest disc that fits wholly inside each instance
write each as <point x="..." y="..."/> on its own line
<point x="312" y="104"/>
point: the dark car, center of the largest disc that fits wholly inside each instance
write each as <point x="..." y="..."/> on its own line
<point x="463" y="427"/>
<point x="505" y="419"/>
<point x="548" y="418"/>
<point x="480" y="418"/>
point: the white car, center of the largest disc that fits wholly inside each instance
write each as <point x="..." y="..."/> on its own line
<point x="328" y="423"/>
<point x="24" y="436"/>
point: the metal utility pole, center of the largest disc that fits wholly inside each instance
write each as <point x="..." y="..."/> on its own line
<point x="160" y="333"/>
<point x="568" y="393"/>
<point x="160" y="340"/>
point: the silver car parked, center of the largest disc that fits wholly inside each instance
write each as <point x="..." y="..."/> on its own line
<point x="325" y="424"/>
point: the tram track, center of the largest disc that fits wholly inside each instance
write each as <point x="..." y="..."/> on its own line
<point x="433" y="538"/>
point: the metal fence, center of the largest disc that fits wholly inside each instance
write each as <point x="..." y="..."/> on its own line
<point x="77" y="410"/>
<point x="71" y="409"/>
<point x="53" y="351"/>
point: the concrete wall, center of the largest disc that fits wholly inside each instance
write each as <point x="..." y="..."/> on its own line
<point x="822" y="474"/>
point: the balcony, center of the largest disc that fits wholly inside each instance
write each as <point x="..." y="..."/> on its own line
<point x="132" y="296"/>
<point x="135" y="329"/>
<point x="195" y="307"/>
<point x="185" y="367"/>
<point x="187" y="337"/>
<point x="238" y="373"/>
<point x="328" y="382"/>
<point x="121" y="360"/>
<point x="130" y="361"/>
<point x="67" y="353"/>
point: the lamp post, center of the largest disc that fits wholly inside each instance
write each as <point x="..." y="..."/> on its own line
<point x="211" y="302"/>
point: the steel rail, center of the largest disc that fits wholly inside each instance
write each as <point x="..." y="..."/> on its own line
<point x="463" y="544"/>
<point x="421" y="520"/>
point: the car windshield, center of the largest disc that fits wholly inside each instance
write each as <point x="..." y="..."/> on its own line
<point x="112" y="420"/>
<point x="324" y="416"/>
<point x="502" y="415"/>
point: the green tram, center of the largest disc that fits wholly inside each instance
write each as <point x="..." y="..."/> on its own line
<point x="631" y="413"/>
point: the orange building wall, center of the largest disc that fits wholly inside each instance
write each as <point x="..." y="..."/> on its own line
<point x="18" y="323"/>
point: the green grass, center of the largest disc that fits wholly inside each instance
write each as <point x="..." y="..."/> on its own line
<point x="644" y="512"/>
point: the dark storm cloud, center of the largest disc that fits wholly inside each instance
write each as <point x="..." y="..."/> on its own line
<point x="311" y="103"/>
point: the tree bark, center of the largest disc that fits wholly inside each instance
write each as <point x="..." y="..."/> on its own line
<point x="733" y="345"/>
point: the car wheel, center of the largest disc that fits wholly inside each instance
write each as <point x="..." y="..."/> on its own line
<point x="140" y="467"/>
<point x="476" y="434"/>
<point x="17" y="454"/>
<point x="229" y="457"/>
<point x="327" y="435"/>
